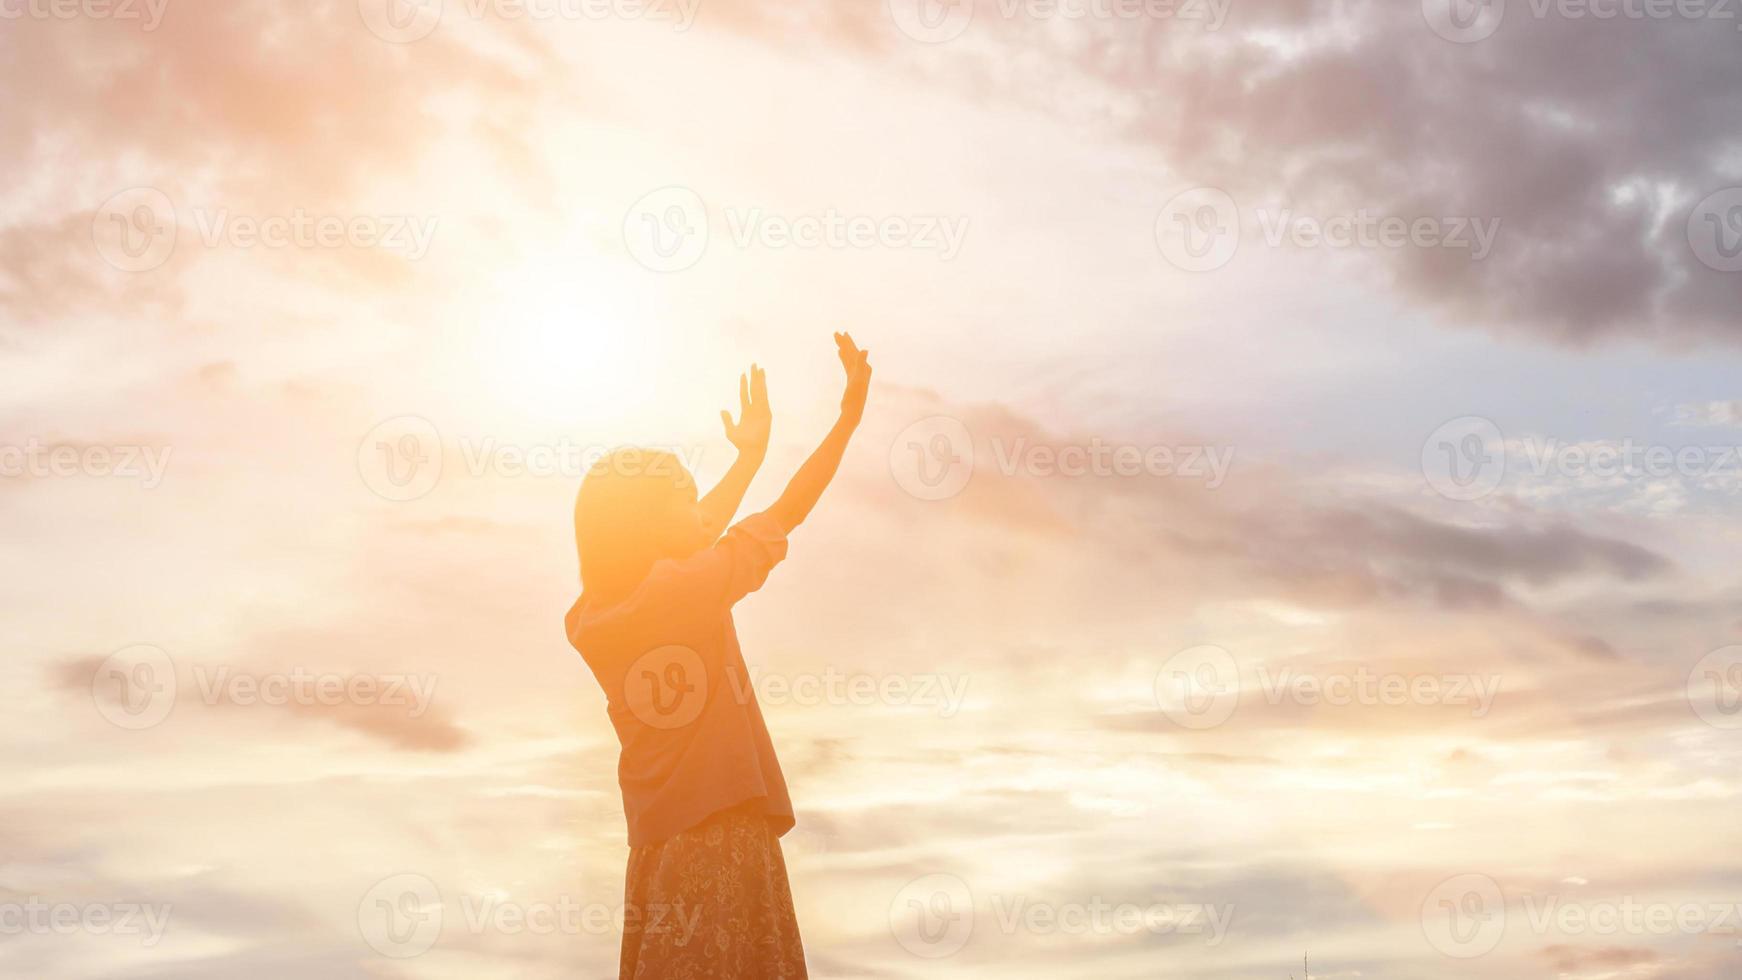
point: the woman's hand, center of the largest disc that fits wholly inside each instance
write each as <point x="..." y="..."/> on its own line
<point x="858" y="366"/>
<point x="813" y="477"/>
<point x="750" y="433"/>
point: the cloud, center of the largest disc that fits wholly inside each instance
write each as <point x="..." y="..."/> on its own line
<point x="1593" y="142"/>
<point x="1573" y="959"/>
<point x="389" y="709"/>
<point x="229" y="85"/>
<point x="1273" y="530"/>
<point x="1714" y="414"/>
<point x="225" y="108"/>
<point x="50" y="267"/>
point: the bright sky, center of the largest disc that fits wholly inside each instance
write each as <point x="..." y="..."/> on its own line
<point x="1190" y="600"/>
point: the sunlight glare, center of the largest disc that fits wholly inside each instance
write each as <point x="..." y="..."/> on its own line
<point x="565" y="345"/>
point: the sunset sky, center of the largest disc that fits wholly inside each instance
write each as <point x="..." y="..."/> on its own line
<point x="1217" y="577"/>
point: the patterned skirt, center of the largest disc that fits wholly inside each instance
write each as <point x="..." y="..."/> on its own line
<point x="712" y="903"/>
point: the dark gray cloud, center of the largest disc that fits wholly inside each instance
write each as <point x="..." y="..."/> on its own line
<point x="1266" y="529"/>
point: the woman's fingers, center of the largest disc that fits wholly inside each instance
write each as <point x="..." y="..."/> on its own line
<point x="849" y="353"/>
<point x="758" y="385"/>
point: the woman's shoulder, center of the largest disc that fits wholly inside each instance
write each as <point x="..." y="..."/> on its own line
<point x="669" y="587"/>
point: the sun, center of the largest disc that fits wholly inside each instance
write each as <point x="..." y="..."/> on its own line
<point x="562" y="345"/>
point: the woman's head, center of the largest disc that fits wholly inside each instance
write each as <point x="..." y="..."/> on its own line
<point x="636" y="507"/>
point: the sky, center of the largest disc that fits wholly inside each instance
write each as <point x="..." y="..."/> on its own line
<point x="1295" y="516"/>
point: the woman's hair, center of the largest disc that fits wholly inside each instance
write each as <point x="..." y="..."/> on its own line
<point x="625" y="499"/>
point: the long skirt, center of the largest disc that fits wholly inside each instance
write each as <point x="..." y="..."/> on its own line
<point x="712" y="903"/>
